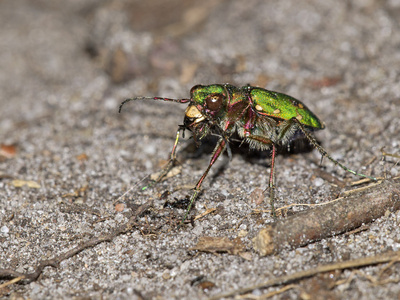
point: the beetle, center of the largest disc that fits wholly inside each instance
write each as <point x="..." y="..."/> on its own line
<point x="264" y="119"/>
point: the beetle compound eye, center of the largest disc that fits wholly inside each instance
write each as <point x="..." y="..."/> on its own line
<point x="214" y="101"/>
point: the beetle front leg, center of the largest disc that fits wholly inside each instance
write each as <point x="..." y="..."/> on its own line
<point x="218" y="150"/>
<point x="171" y="161"/>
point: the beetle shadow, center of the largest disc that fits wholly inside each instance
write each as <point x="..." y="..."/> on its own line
<point x="298" y="144"/>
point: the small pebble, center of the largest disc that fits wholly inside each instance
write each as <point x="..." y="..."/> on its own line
<point x="5" y="229"/>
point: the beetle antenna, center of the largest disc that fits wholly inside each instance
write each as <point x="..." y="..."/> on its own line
<point x="152" y="98"/>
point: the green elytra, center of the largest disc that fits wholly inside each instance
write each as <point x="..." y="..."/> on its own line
<point x="282" y="106"/>
<point x="264" y="119"/>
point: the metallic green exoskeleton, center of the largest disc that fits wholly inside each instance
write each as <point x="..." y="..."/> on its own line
<point x="264" y="119"/>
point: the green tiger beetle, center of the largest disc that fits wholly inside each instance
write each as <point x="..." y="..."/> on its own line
<point x="262" y="118"/>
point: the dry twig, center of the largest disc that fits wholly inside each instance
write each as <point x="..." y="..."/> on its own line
<point x="55" y="261"/>
<point x="356" y="263"/>
<point x="360" y="206"/>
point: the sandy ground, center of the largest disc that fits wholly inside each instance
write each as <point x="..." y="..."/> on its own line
<point x="66" y="66"/>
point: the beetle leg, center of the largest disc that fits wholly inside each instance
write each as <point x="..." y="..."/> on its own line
<point x="271" y="182"/>
<point x="172" y="158"/>
<point x="218" y="150"/>
<point x="228" y="148"/>
<point x="323" y="152"/>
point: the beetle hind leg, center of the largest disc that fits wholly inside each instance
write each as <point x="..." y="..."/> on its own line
<point x="324" y="153"/>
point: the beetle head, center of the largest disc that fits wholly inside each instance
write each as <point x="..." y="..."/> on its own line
<point x="207" y="106"/>
<point x="208" y="103"/>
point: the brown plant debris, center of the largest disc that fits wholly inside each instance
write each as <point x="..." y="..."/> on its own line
<point x="218" y="245"/>
<point x="359" y="206"/>
<point x="390" y="257"/>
